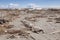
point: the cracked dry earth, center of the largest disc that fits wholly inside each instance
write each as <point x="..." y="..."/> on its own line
<point x="32" y="27"/>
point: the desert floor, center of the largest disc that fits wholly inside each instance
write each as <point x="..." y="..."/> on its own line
<point x="31" y="26"/>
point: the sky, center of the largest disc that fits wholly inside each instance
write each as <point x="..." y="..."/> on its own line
<point x="29" y="3"/>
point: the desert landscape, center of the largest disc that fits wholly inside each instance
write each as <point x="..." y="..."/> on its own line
<point x="29" y="24"/>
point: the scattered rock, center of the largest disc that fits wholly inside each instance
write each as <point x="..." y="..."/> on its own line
<point x="26" y="24"/>
<point x="31" y="27"/>
<point x="11" y="36"/>
<point x="13" y="31"/>
<point x="37" y="30"/>
<point x="3" y="21"/>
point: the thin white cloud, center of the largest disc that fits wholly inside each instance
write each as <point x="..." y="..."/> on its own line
<point x="11" y="5"/>
<point x="29" y="5"/>
<point x="53" y="6"/>
<point x="3" y="6"/>
<point x="33" y="5"/>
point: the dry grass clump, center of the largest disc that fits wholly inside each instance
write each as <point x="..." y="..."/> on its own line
<point x="10" y="17"/>
<point x="13" y="31"/>
<point x="31" y="19"/>
<point x="34" y="17"/>
<point x="54" y="9"/>
<point x="10" y="14"/>
<point x="50" y="20"/>
<point x="3" y="21"/>
<point x="7" y="26"/>
<point x="4" y="27"/>
<point x="57" y="20"/>
<point x="2" y="30"/>
<point x="21" y="33"/>
<point x="11" y="36"/>
<point x="14" y="14"/>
